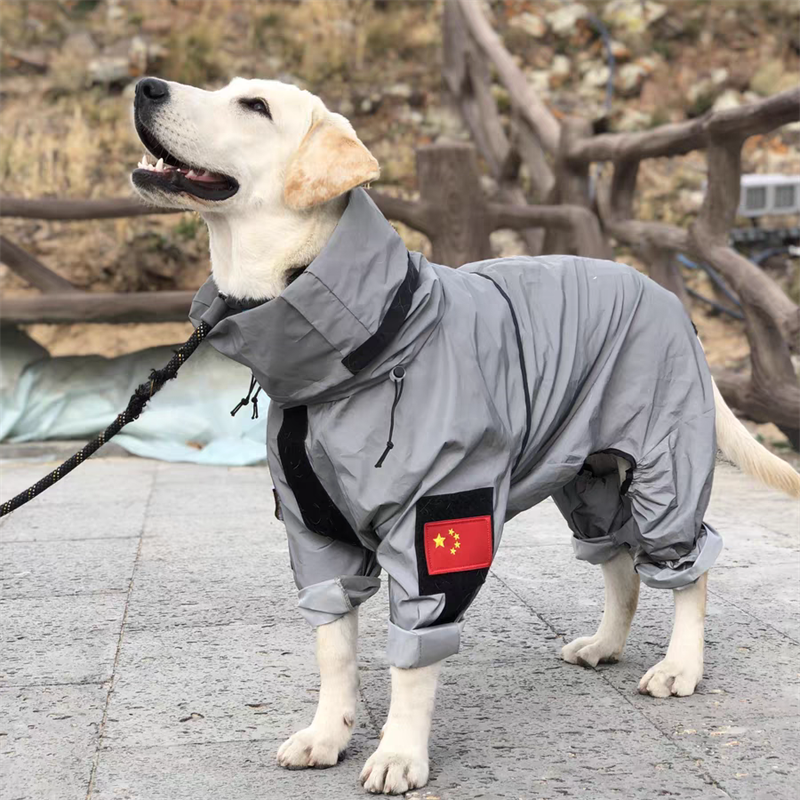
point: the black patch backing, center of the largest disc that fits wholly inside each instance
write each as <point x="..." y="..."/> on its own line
<point x="319" y="512"/>
<point x="459" y="588"/>
<point x="390" y="324"/>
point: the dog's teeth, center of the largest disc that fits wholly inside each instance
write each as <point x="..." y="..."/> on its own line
<point x="191" y="174"/>
<point x="160" y="165"/>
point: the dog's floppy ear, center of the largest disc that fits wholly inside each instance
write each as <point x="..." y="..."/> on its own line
<point x="330" y="161"/>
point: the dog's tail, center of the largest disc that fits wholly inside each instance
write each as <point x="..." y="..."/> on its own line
<point x="751" y="457"/>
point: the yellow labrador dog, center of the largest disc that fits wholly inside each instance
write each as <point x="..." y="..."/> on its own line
<point x="269" y="168"/>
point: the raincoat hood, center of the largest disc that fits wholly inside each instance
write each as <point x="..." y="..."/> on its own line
<point x="331" y="330"/>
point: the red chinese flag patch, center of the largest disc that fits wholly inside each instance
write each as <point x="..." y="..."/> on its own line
<point x="458" y="545"/>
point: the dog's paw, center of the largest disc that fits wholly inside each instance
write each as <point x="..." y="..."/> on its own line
<point x="314" y="747"/>
<point x="393" y="772"/>
<point x="671" y="677"/>
<point x="589" y="651"/>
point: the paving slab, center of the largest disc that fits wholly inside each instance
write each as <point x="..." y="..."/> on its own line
<point x="151" y="648"/>
<point x="58" y="640"/>
<point x="48" y="739"/>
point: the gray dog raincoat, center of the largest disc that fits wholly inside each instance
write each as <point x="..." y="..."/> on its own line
<point x="415" y="408"/>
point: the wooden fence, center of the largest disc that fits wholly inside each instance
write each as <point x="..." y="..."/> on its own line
<point x="558" y="156"/>
<point x="451" y="211"/>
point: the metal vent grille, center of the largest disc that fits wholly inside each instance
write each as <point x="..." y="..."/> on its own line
<point x="763" y="195"/>
<point x="755" y="198"/>
<point x="785" y="196"/>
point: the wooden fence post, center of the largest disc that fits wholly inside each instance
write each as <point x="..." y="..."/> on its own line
<point x="450" y="189"/>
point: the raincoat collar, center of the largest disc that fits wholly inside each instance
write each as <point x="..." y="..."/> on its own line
<point x="364" y="305"/>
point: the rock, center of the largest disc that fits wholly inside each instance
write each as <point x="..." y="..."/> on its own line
<point x="620" y="51"/>
<point x="532" y="24"/>
<point x="596" y="76"/>
<point x="138" y="56"/>
<point x="559" y="72"/>
<point x="502" y="97"/>
<point x="400" y="90"/>
<point x="719" y="76"/>
<point x="489" y="186"/>
<point x="728" y="99"/>
<point x="506" y="243"/>
<point x="445" y="123"/>
<point x="633" y="120"/>
<point x="80" y="44"/>
<point x="630" y="78"/>
<point x="632" y="16"/>
<point x="114" y="10"/>
<point x="650" y="63"/>
<point x="539" y="80"/>
<point x="108" y="70"/>
<point x="565" y="19"/>
<point x="702" y="92"/>
<point x="24" y="61"/>
<point x="772" y="77"/>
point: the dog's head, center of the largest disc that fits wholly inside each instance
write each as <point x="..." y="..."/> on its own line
<point x="254" y="145"/>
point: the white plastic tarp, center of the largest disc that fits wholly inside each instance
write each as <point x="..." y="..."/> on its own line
<point x="76" y="397"/>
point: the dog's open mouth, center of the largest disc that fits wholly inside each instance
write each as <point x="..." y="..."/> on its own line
<point x="168" y="174"/>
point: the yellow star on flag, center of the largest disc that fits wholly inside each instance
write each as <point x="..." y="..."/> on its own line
<point x="456" y="536"/>
<point x="453" y="550"/>
<point x="453" y="533"/>
<point x="458" y="544"/>
<point x="439" y="540"/>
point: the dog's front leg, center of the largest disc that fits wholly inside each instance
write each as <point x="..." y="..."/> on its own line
<point x="622" y="596"/>
<point x="401" y="761"/>
<point x="321" y="744"/>
<point x="682" y="668"/>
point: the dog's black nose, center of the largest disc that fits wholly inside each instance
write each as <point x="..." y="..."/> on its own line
<point x="152" y="90"/>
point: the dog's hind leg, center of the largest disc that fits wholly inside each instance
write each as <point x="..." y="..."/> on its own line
<point x="401" y="761"/>
<point x="682" y="668"/>
<point x="622" y="596"/>
<point x="323" y="742"/>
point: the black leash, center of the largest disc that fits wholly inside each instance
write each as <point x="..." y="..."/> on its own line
<point x="158" y="377"/>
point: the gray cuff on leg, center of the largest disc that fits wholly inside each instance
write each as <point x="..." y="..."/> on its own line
<point x="325" y="602"/>
<point x="424" y="646"/>
<point x="686" y="570"/>
<point x="595" y="551"/>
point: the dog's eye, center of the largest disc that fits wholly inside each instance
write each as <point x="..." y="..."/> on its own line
<point x="258" y="105"/>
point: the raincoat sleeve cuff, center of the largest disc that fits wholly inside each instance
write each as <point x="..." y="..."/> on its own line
<point x="329" y="600"/>
<point x="424" y="646"/>
<point x="682" y="573"/>
<point x="595" y="551"/>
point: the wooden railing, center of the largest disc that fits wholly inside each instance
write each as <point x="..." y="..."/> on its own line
<point x="451" y="211"/>
<point x="558" y="155"/>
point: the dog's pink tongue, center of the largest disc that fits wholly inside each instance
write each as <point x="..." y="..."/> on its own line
<point x="204" y="176"/>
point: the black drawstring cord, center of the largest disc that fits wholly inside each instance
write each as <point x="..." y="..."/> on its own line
<point x="255" y="403"/>
<point x="250" y="398"/>
<point x="397" y="375"/>
<point x="245" y="400"/>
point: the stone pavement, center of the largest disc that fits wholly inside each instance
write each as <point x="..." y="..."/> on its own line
<point x="151" y="650"/>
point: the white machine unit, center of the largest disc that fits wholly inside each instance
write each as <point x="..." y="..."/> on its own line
<point x="769" y="194"/>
